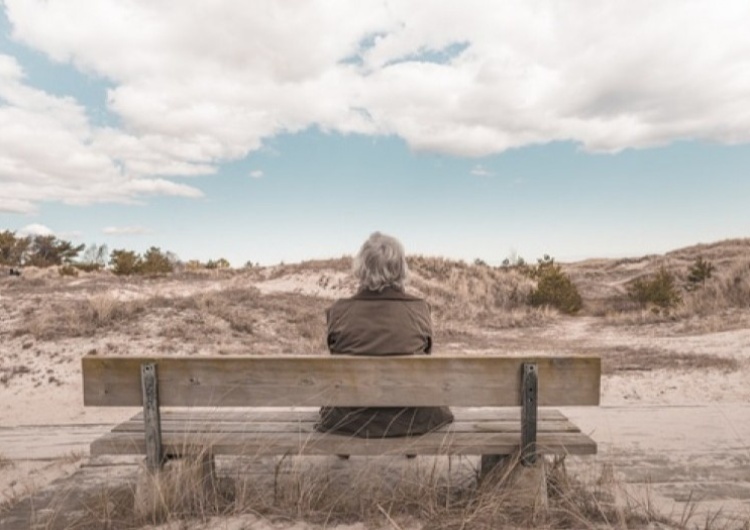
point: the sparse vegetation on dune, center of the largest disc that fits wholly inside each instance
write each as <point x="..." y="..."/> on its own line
<point x="464" y="298"/>
<point x="230" y="321"/>
<point x="700" y="281"/>
<point x="475" y="295"/>
<point x="342" y="264"/>
<point x="721" y="253"/>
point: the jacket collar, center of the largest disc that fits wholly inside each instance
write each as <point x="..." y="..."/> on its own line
<point x="389" y="293"/>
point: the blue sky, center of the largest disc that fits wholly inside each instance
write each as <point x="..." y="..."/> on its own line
<point x="525" y="131"/>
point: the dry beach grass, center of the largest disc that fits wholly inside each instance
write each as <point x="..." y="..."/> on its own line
<point x="374" y="493"/>
<point x="697" y="353"/>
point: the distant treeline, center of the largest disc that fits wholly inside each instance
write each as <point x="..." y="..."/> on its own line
<point x="50" y="251"/>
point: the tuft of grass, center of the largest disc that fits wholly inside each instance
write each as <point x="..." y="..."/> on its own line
<point x="104" y="307"/>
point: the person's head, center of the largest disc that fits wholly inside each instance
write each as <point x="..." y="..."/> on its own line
<point x="381" y="263"/>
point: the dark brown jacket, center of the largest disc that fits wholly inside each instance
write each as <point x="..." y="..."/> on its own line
<point x="381" y="323"/>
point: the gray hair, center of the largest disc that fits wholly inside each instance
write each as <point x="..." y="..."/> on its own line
<point x="381" y="263"/>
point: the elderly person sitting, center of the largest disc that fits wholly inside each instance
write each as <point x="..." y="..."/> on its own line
<point x="381" y="319"/>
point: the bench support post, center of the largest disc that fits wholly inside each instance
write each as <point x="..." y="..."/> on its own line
<point x="151" y="417"/>
<point x="529" y="391"/>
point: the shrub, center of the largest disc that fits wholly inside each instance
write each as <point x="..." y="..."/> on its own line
<point x="554" y="287"/>
<point x="193" y="265"/>
<point x="45" y="251"/>
<point x="125" y="262"/>
<point x="68" y="270"/>
<point x="37" y="251"/>
<point x="12" y="248"/>
<point x="156" y="262"/>
<point x="514" y="261"/>
<point x="220" y="263"/>
<point x="700" y="271"/>
<point x="659" y="290"/>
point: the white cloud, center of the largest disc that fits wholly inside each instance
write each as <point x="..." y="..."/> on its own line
<point x="161" y="187"/>
<point x="256" y="173"/>
<point x="35" y="229"/>
<point x="13" y="205"/>
<point x="125" y="230"/>
<point x="208" y="82"/>
<point x="480" y="171"/>
<point x="50" y="152"/>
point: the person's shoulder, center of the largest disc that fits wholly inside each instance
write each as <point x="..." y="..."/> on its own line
<point x="339" y="305"/>
<point x="420" y="303"/>
<point x="412" y="298"/>
<point x="341" y="302"/>
<point x="412" y="302"/>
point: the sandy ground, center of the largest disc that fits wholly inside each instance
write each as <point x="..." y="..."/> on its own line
<point x="677" y="431"/>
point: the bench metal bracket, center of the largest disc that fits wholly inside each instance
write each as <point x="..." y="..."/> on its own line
<point x="529" y="394"/>
<point x="151" y="416"/>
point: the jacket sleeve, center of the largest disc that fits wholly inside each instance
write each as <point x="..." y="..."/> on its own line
<point x="428" y="346"/>
<point x="330" y="339"/>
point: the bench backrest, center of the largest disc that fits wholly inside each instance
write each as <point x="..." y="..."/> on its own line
<point x="340" y="380"/>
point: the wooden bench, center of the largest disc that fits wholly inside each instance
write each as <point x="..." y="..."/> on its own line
<point x="495" y="400"/>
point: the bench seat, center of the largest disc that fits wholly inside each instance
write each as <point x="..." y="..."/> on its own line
<point x="285" y="431"/>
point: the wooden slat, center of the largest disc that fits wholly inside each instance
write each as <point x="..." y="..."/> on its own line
<point x="311" y="414"/>
<point x="308" y="427"/>
<point x="341" y="380"/>
<point x="286" y="420"/>
<point x="323" y="444"/>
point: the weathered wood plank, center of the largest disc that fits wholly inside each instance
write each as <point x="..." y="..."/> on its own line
<point x="190" y="426"/>
<point x="322" y="444"/>
<point x="311" y="414"/>
<point x="341" y="380"/>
